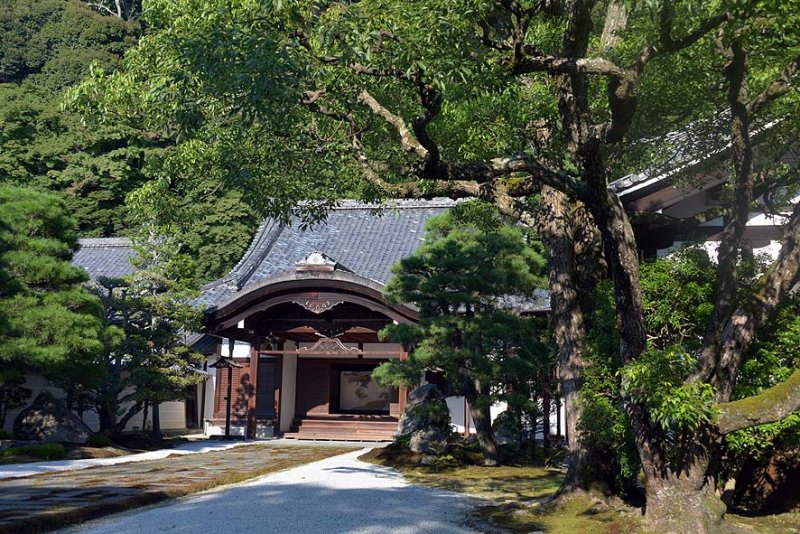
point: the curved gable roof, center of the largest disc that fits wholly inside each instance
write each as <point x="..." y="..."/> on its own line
<point x="365" y="239"/>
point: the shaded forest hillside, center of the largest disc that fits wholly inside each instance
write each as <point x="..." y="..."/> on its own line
<point x="50" y="45"/>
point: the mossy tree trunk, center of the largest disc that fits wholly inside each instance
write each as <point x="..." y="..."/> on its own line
<point x="477" y="394"/>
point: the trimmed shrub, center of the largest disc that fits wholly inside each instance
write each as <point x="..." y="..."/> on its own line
<point x="41" y="451"/>
<point x="5" y="434"/>
<point x="99" y="440"/>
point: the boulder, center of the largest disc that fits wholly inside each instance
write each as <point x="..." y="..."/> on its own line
<point x="48" y="419"/>
<point x="425" y="409"/>
<point x="507" y="429"/>
<point x="430" y="441"/>
<point x="428" y="392"/>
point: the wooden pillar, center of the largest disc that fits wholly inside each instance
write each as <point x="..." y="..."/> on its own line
<point x="402" y="393"/>
<point x="231" y="345"/>
<point x="251" y="400"/>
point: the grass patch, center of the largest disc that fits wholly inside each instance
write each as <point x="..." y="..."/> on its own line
<point x="519" y="484"/>
<point x="521" y="493"/>
<point x="769" y="524"/>
<point x="568" y="516"/>
<point x="33" y="453"/>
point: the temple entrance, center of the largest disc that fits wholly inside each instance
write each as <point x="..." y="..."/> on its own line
<point x="311" y="358"/>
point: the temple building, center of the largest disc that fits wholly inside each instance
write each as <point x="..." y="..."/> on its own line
<point x="301" y="313"/>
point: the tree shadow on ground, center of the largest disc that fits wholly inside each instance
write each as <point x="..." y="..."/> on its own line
<point x="302" y="507"/>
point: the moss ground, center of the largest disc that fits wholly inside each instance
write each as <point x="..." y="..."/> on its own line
<point x="769" y="524"/>
<point x="522" y="495"/>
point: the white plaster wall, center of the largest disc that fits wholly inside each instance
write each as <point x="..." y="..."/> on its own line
<point x="457" y="413"/>
<point x="173" y="414"/>
<point x="288" y="384"/>
<point x="37" y="384"/>
<point x="211" y="387"/>
<point x="770" y="249"/>
<point x="240" y="348"/>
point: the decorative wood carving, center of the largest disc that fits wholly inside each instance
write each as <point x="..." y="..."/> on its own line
<point x="330" y="345"/>
<point x="317" y="305"/>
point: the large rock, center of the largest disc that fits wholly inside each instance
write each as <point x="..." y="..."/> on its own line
<point x="507" y="430"/>
<point x="48" y="419"/>
<point x="430" y="441"/>
<point x="426" y="409"/>
<point x="428" y="392"/>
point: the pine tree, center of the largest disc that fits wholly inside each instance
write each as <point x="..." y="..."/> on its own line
<point x="49" y="322"/>
<point x="469" y="265"/>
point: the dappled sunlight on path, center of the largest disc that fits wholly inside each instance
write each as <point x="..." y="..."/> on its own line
<point x="336" y="495"/>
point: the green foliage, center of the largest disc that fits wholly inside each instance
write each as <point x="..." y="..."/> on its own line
<point x="40" y="451"/>
<point x="403" y="440"/>
<point x="51" y="42"/>
<point x="151" y="364"/>
<point x="47" y="318"/>
<point x="93" y="169"/>
<point x="48" y="46"/>
<point x="678" y="294"/>
<point x="656" y="381"/>
<point x="5" y="434"/>
<point x="678" y="297"/>
<point x="99" y="440"/>
<point x="96" y="167"/>
<point x="771" y="360"/>
<point x="468" y="261"/>
<point x="605" y="428"/>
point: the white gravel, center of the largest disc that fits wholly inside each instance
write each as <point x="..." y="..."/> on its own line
<point x="335" y="495"/>
<point x="25" y="470"/>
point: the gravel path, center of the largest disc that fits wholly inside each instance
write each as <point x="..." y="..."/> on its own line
<point x="336" y="495"/>
<point x="35" y="468"/>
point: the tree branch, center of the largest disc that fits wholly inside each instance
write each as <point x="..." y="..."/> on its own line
<point x="478" y="171"/>
<point x="769" y="406"/>
<point x="779" y="87"/>
<point x="104" y="8"/>
<point x="743" y="185"/>
<point x="759" y="308"/>
<point x="407" y="139"/>
<point x="558" y="65"/>
<point x="677" y="224"/>
<point x="623" y="91"/>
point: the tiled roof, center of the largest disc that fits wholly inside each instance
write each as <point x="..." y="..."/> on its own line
<point x="366" y="239"/>
<point x="682" y="150"/>
<point x="105" y="256"/>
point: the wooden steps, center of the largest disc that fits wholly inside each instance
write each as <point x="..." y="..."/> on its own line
<point x="344" y="428"/>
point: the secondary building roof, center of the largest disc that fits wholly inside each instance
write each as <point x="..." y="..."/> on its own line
<point x="108" y="257"/>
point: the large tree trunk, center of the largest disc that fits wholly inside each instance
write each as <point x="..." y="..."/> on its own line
<point x="476" y="394"/>
<point x="568" y="327"/>
<point x="684" y="499"/>
<point x="156" y="435"/>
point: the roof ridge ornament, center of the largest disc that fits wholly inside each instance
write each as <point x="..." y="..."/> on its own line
<point x="316" y="261"/>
